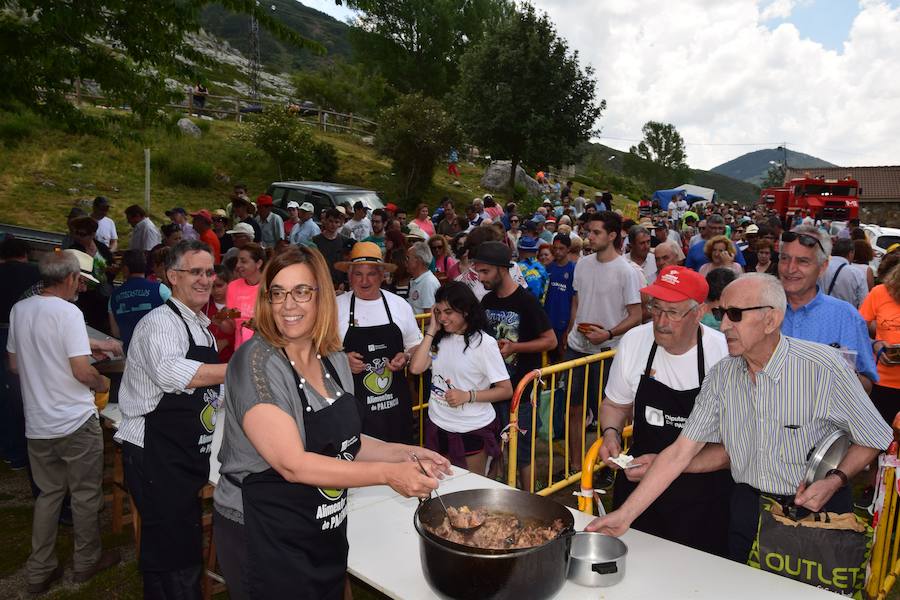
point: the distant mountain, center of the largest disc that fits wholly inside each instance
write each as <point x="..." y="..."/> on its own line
<point x="275" y="54"/>
<point x="753" y="166"/>
<point x="604" y="158"/>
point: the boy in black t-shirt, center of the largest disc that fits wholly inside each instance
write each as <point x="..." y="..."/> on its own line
<point x="522" y="331"/>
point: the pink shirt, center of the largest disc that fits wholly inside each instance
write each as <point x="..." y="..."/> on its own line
<point x="427" y="226"/>
<point x="242" y="296"/>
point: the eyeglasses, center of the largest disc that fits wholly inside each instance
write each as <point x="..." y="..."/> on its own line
<point x="198" y="272"/>
<point x="734" y="314"/>
<point x="804" y="238"/>
<point x="300" y="294"/>
<point x="672" y="315"/>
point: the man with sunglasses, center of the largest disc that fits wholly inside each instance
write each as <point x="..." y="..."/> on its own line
<point x="168" y="397"/>
<point x="653" y="382"/>
<point x="811" y="313"/>
<point x="767" y="404"/>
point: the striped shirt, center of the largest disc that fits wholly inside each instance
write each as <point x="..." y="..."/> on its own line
<point x="805" y="392"/>
<point x="157" y="365"/>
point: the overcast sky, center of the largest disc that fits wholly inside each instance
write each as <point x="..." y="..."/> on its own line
<point x="739" y="75"/>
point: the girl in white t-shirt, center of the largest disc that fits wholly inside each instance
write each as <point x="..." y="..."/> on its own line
<point x="468" y="374"/>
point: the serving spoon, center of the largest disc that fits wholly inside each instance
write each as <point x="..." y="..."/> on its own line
<point x="441" y="500"/>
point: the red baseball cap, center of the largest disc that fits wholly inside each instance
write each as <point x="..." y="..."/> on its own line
<point x="391" y="207"/>
<point x="676" y="284"/>
<point x="203" y="214"/>
<point x="264" y="200"/>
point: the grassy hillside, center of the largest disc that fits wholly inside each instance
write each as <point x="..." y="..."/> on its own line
<point x="45" y="171"/>
<point x="753" y="166"/>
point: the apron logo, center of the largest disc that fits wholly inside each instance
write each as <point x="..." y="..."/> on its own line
<point x="333" y="494"/>
<point x="208" y="413"/>
<point x="654" y="416"/>
<point x="379" y="379"/>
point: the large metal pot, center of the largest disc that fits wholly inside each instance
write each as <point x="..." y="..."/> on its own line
<point x="463" y="572"/>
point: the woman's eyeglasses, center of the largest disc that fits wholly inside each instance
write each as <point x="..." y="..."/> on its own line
<point x="804" y="238"/>
<point x="300" y="294"/>
<point x="734" y="314"/>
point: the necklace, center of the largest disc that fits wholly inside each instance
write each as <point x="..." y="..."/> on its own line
<point x="302" y="383"/>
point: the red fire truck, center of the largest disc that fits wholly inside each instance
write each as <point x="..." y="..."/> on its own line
<point x="832" y="199"/>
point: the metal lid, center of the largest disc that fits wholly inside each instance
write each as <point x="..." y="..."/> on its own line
<point x="827" y="455"/>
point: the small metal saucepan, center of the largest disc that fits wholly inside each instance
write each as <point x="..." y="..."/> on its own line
<point x="827" y="455"/>
<point x="597" y="560"/>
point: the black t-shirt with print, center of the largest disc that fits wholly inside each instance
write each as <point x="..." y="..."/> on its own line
<point x="518" y="318"/>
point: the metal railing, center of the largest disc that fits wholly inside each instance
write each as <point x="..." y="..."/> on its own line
<point x="884" y="564"/>
<point x="591" y="465"/>
<point x="558" y="373"/>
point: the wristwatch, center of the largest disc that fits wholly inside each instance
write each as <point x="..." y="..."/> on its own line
<point x="841" y="475"/>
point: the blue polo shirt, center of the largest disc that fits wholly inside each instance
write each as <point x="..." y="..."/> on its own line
<point x="558" y="303"/>
<point x="828" y="320"/>
<point x="696" y="258"/>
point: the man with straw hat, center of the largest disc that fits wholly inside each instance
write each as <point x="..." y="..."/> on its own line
<point x="379" y="331"/>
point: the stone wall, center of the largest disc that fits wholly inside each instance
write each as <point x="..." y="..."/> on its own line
<point x="886" y="214"/>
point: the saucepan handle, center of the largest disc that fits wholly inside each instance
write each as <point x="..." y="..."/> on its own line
<point x="607" y="568"/>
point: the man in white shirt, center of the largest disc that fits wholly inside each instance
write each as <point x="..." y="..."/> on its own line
<point x="423" y="284"/>
<point x="359" y="227"/>
<point x="607" y="304"/>
<point x="639" y="253"/>
<point x="653" y="382"/>
<point x="106" y="227"/>
<point x="677" y="207"/>
<point x="379" y="331"/>
<point x="841" y="279"/>
<point x="305" y="229"/>
<point x="168" y="398"/>
<point x="145" y="236"/>
<point x="48" y="346"/>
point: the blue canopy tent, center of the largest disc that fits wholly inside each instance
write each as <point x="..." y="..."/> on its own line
<point x="691" y="193"/>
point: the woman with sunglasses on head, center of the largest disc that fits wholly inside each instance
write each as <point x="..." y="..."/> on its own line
<point x="468" y="374"/>
<point x="241" y="294"/>
<point x="293" y="444"/>
<point x="446" y="266"/>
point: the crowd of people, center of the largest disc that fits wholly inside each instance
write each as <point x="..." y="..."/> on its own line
<point x="309" y="321"/>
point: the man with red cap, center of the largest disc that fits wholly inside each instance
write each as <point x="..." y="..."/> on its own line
<point x="203" y="226"/>
<point x="271" y="225"/>
<point x="654" y="380"/>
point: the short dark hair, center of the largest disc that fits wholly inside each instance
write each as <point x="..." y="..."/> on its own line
<point x="183" y="247"/>
<point x="564" y="239"/>
<point x="13" y="247"/>
<point x="135" y="261"/>
<point x="333" y="213"/>
<point x="135" y="210"/>
<point x="842" y="247"/>
<point x="717" y="280"/>
<point x="83" y="225"/>
<point x="380" y="212"/>
<point x="612" y="223"/>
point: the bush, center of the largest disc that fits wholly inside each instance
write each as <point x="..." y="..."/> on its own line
<point x="291" y="146"/>
<point x="183" y="171"/>
<point x="415" y="134"/>
<point x="16" y="127"/>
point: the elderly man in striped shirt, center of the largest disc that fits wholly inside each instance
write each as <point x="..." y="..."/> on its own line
<point x="767" y="404"/>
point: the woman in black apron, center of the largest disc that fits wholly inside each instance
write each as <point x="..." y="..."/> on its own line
<point x="175" y="465"/>
<point x="292" y="443"/>
<point x="694" y="509"/>
<point x="383" y="394"/>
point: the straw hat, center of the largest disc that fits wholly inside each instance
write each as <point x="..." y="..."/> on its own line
<point x="365" y="253"/>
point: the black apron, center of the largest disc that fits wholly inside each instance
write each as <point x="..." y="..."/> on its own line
<point x="694" y="509"/>
<point x="296" y="533"/>
<point x="177" y="443"/>
<point x="383" y="394"/>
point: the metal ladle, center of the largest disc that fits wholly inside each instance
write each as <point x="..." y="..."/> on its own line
<point x="441" y="500"/>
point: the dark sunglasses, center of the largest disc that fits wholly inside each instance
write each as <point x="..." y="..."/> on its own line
<point x="734" y="314"/>
<point x="804" y="238"/>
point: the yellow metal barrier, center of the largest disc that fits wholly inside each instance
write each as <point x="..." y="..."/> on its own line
<point x="554" y="373"/>
<point x="592" y="464"/>
<point x="884" y="565"/>
<point x="420" y="402"/>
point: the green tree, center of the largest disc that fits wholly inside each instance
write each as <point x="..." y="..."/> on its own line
<point x="522" y="95"/>
<point x="290" y="144"/>
<point x="126" y="48"/>
<point x="344" y="87"/>
<point x="774" y="176"/>
<point x="659" y="159"/>
<point x="415" y="133"/>
<point x="416" y="44"/>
